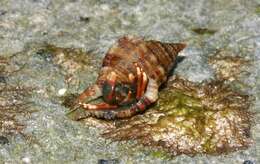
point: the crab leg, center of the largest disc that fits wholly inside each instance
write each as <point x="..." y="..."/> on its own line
<point x="102" y="105"/>
<point x="112" y="81"/>
<point x="92" y="92"/>
<point x="144" y="83"/>
<point x="141" y="82"/>
<point x="150" y="96"/>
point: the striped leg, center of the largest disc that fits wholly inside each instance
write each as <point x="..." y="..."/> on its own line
<point x="149" y="97"/>
<point x="91" y="93"/>
<point x="141" y="82"/>
<point x="99" y="106"/>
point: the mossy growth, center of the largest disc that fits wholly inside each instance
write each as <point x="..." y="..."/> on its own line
<point x="191" y="118"/>
<point x="160" y="154"/>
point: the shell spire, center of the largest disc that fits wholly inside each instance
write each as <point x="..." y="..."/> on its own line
<point x="178" y="46"/>
<point x="173" y="49"/>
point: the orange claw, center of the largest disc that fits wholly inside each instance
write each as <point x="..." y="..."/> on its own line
<point x="102" y="105"/>
<point x="131" y="77"/>
<point x="91" y="92"/>
<point x="139" y="82"/>
<point x="144" y="83"/>
<point x="112" y="81"/>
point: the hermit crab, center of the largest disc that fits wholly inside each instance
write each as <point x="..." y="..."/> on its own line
<point x="132" y="71"/>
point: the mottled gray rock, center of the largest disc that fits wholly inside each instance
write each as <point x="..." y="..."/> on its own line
<point x="94" y="25"/>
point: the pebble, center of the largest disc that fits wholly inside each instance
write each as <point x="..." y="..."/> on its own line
<point x="26" y="160"/>
<point x="62" y="91"/>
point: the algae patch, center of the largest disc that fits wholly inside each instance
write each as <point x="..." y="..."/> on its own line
<point x="191" y="118"/>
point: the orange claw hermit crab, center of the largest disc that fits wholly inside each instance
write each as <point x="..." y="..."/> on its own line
<point x="132" y="71"/>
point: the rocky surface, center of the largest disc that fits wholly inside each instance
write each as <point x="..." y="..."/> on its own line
<point x="88" y="28"/>
<point x="191" y="119"/>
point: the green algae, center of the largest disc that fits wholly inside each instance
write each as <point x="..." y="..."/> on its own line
<point x="160" y="154"/>
<point x="191" y="118"/>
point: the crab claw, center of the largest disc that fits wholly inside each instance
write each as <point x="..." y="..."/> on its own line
<point x="142" y="80"/>
<point x="111" y="80"/>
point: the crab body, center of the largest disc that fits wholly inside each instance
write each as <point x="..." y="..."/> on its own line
<point x="131" y="73"/>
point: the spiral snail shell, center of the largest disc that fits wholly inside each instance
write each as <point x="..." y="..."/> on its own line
<point x="132" y="71"/>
